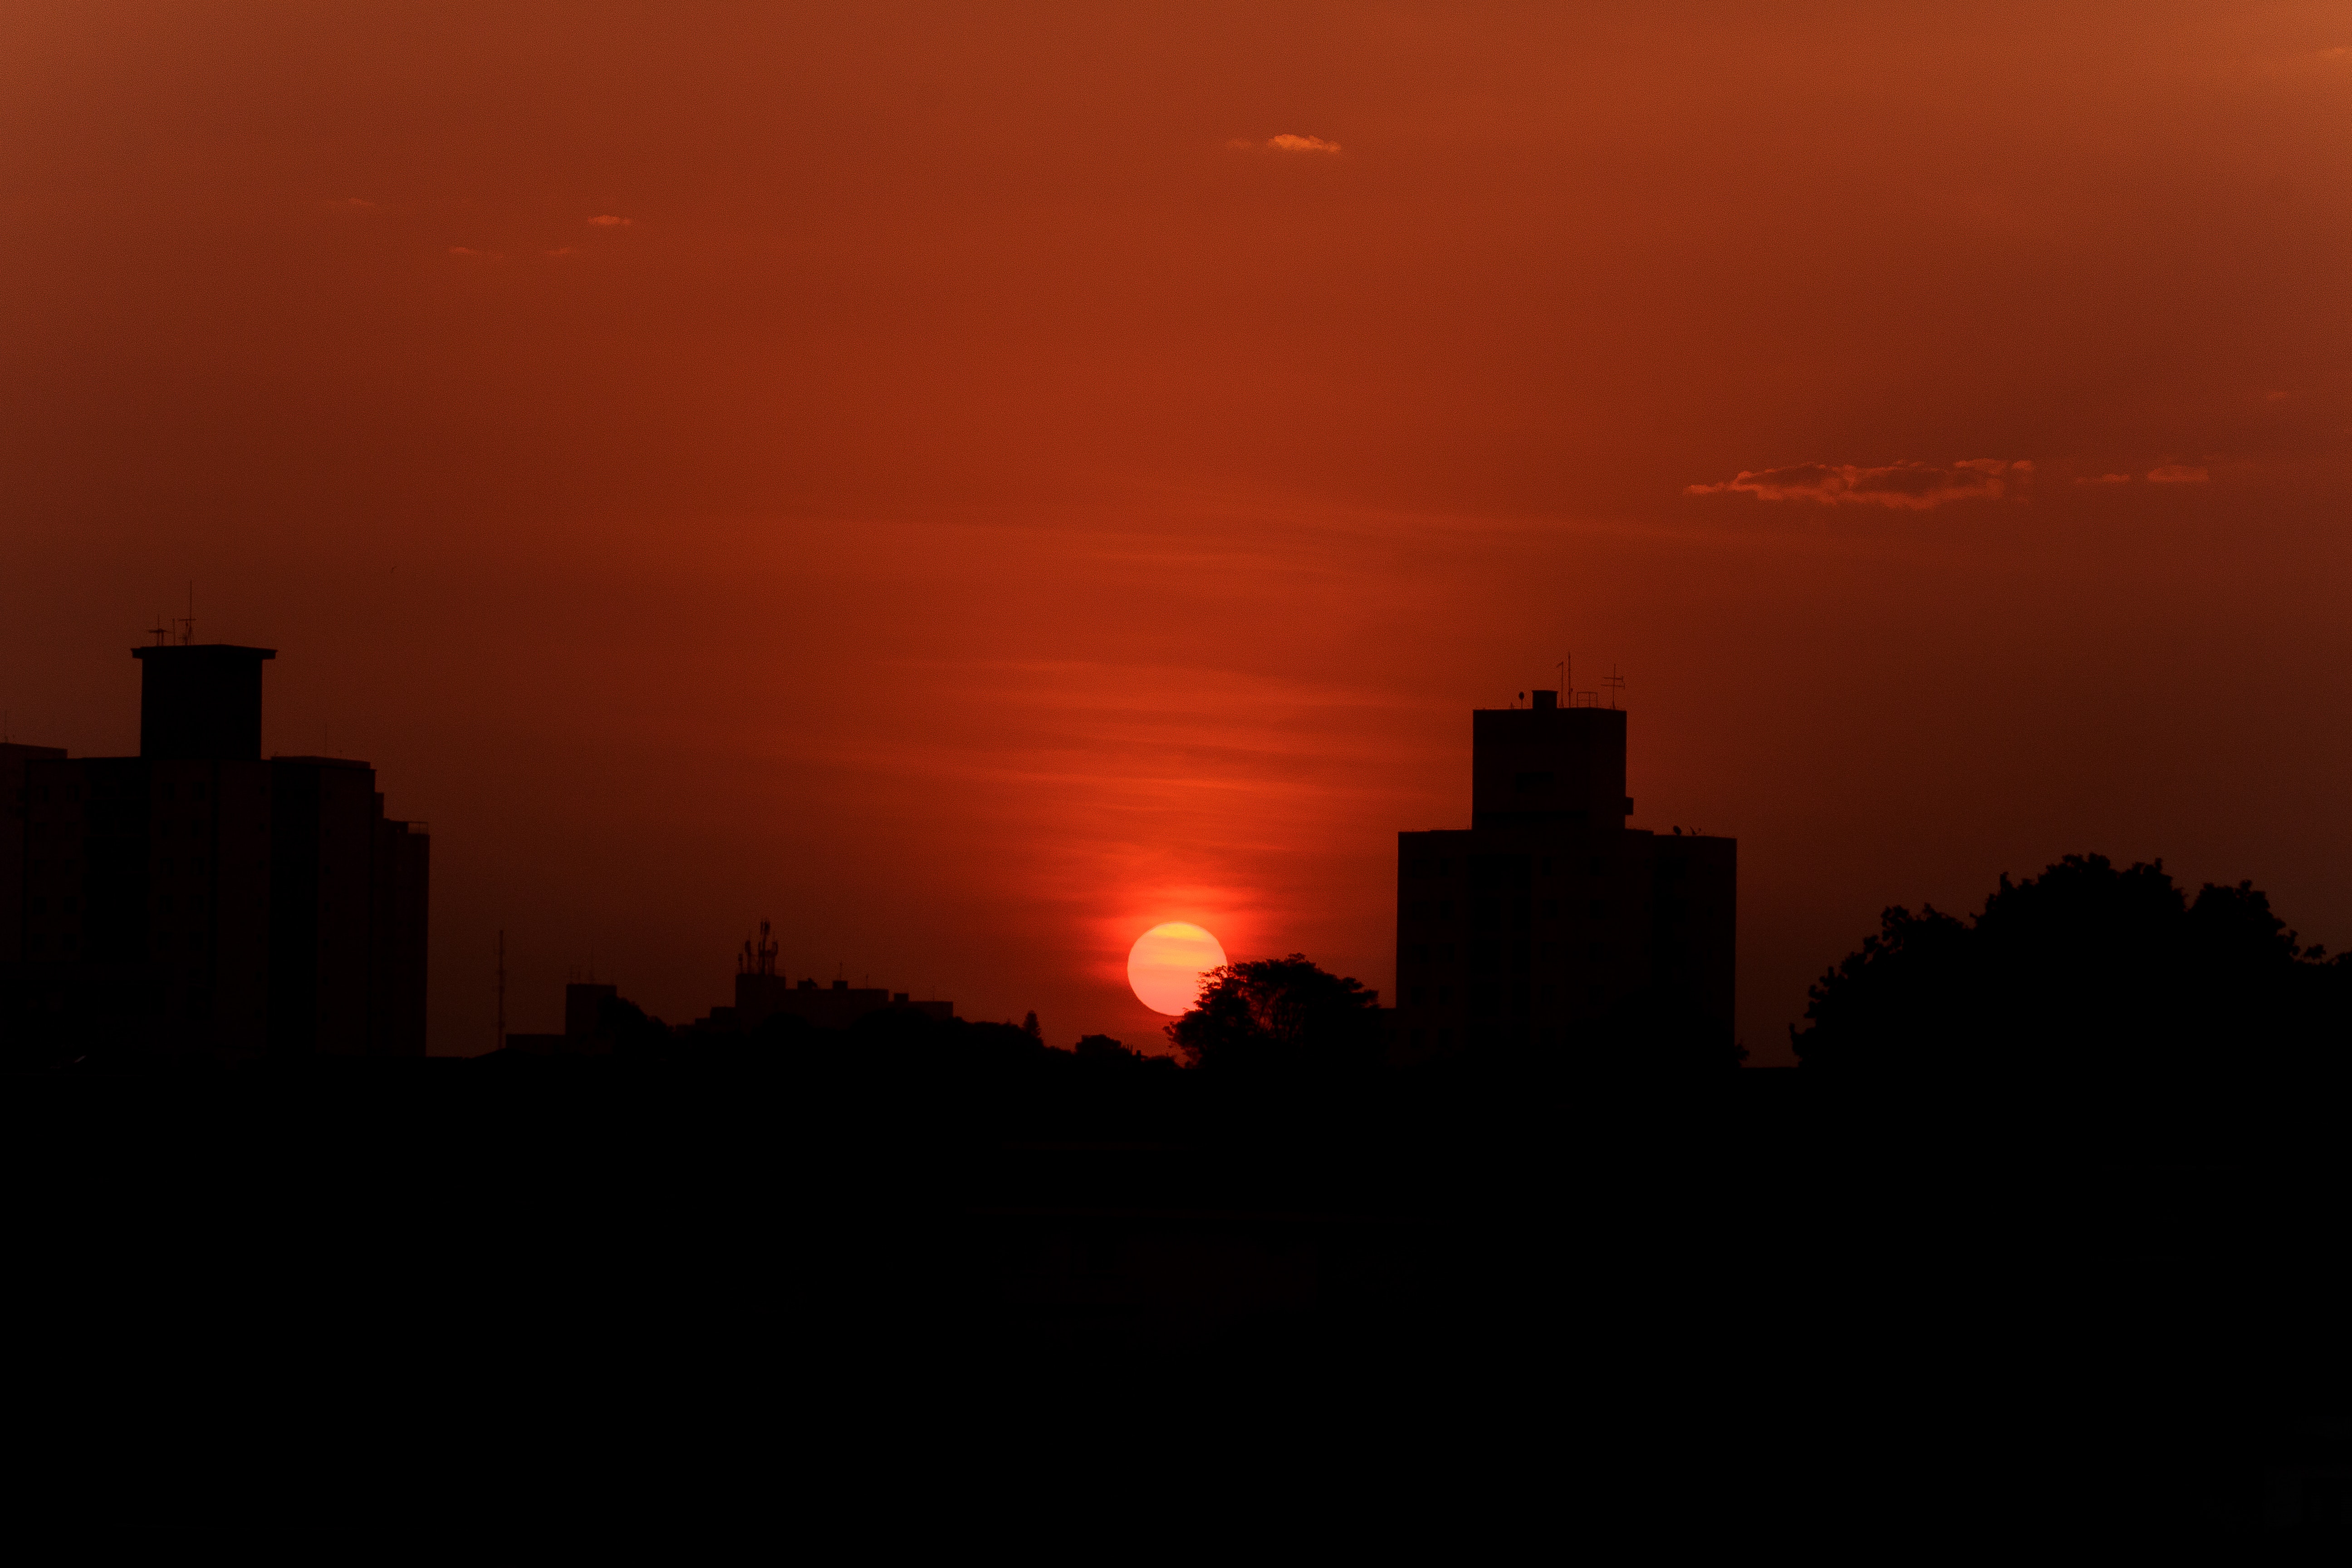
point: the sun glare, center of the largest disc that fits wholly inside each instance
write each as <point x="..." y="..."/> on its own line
<point x="1165" y="963"/>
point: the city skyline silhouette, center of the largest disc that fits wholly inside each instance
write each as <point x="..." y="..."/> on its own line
<point x="1727" y="621"/>
<point x="201" y="902"/>
<point x="979" y="537"/>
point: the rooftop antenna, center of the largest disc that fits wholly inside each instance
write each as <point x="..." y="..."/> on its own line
<point x="758" y="957"/>
<point x="188" y="623"/>
<point x="1616" y="684"/>
<point x="161" y="631"/>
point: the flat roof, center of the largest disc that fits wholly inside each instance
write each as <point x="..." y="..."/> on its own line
<point x="212" y="648"/>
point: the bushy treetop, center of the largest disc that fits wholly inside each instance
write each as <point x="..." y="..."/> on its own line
<point x="2085" y="971"/>
<point x="1279" y="1013"/>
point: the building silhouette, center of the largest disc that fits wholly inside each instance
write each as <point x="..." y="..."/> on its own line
<point x="586" y="1024"/>
<point x="1549" y="925"/>
<point x="762" y="992"/>
<point x="198" y="898"/>
<point x="13" y="843"/>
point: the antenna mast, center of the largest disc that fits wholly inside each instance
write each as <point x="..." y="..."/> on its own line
<point x="758" y="957"/>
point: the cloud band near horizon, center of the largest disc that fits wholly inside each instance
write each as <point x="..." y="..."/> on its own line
<point x="1904" y="485"/>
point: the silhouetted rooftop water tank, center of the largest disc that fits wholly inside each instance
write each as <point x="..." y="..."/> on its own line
<point x="201" y="702"/>
<point x="1548" y="763"/>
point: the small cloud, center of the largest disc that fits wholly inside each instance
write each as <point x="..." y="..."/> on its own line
<point x="2176" y="474"/>
<point x="2106" y="479"/>
<point x="1283" y="143"/>
<point x="606" y="220"/>
<point x="1905" y="486"/>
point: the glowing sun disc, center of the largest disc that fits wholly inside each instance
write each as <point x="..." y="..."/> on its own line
<point x="1165" y="963"/>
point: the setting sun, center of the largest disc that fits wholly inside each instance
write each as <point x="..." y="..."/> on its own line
<point x="1165" y="963"/>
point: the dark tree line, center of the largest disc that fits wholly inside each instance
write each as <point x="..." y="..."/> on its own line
<point x="2085" y="971"/>
<point x="1280" y="1015"/>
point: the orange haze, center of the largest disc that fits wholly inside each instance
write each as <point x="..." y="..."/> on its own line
<point x="972" y="483"/>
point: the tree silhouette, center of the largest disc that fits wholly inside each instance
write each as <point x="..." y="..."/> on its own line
<point x="1279" y="1013"/>
<point x="2084" y="972"/>
<point x="1903" y="995"/>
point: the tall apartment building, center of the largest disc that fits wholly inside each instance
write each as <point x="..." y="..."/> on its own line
<point x="1549" y="924"/>
<point x="198" y="898"/>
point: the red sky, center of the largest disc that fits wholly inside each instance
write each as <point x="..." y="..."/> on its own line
<point x="958" y="481"/>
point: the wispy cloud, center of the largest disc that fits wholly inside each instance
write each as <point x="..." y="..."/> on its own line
<point x="606" y="220"/>
<point x="2176" y="474"/>
<point x="1286" y="143"/>
<point x="1905" y="486"/>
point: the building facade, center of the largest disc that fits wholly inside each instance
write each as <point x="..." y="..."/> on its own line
<point x="1549" y="925"/>
<point x="199" y="898"/>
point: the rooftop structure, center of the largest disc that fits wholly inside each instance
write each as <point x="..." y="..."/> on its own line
<point x="1549" y="924"/>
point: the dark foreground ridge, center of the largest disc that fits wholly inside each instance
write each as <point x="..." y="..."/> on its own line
<point x="1657" y="1304"/>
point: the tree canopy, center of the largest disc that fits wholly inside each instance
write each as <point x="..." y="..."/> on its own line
<point x="1279" y="1013"/>
<point x="2085" y="971"/>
